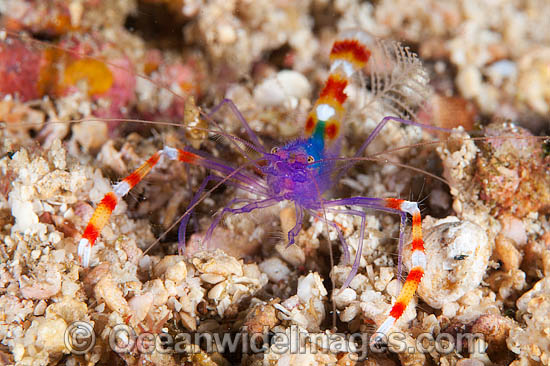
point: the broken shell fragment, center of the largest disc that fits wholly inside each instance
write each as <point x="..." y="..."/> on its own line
<point x="457" y="255"/>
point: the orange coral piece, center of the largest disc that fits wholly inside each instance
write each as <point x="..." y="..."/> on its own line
<point x="94" y="72"/>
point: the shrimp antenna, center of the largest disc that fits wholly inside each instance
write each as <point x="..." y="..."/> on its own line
<point x="146" y="122"/>
<point x="383" y="160"/>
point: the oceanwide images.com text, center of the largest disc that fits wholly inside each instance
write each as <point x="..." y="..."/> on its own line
<point x="80" y="339"/>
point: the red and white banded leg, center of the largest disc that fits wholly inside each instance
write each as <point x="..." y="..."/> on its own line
<point x="107" y="205"/>
<point x="415" y="274"/>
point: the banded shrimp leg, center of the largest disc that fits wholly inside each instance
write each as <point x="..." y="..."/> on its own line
<point x="106" y="206"/>
<point x="362" y="149"/>
<point x="392" y="205"/>
<point x="401" y="207"/>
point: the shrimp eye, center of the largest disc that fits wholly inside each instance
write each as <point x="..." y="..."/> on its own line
<point x="310" y="159"/>
<point x="274" y="150"/>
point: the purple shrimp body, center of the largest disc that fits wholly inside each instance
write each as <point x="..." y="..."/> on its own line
<point x="293" y="174"/>
<point x="302" y="170"/>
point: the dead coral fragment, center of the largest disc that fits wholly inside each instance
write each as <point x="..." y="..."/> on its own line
<point x="306" y="309"/>
<point x="48" y="285"/>
<point x="232" y="280"/>
<point x="495" y="329"/>
<point x="512" y="171"/>
<point x="108" y="290"/>
<point x="44" y="341"/>
<point x="532" y="342"/>
<point x="261" y="318"/>
<point x="217" y="263"/>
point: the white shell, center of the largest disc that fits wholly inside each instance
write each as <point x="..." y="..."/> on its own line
<point x="457" y="255"/>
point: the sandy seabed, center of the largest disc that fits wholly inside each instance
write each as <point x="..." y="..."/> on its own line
<point x="483" y="66"/>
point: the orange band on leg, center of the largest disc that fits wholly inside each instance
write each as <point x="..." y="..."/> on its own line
<point x="105" y="208"/>
<point x="416" y="273"/>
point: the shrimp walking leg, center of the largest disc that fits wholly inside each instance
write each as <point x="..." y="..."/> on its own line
<point x="416" y="273"/>
<point x="202" y="188"/>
